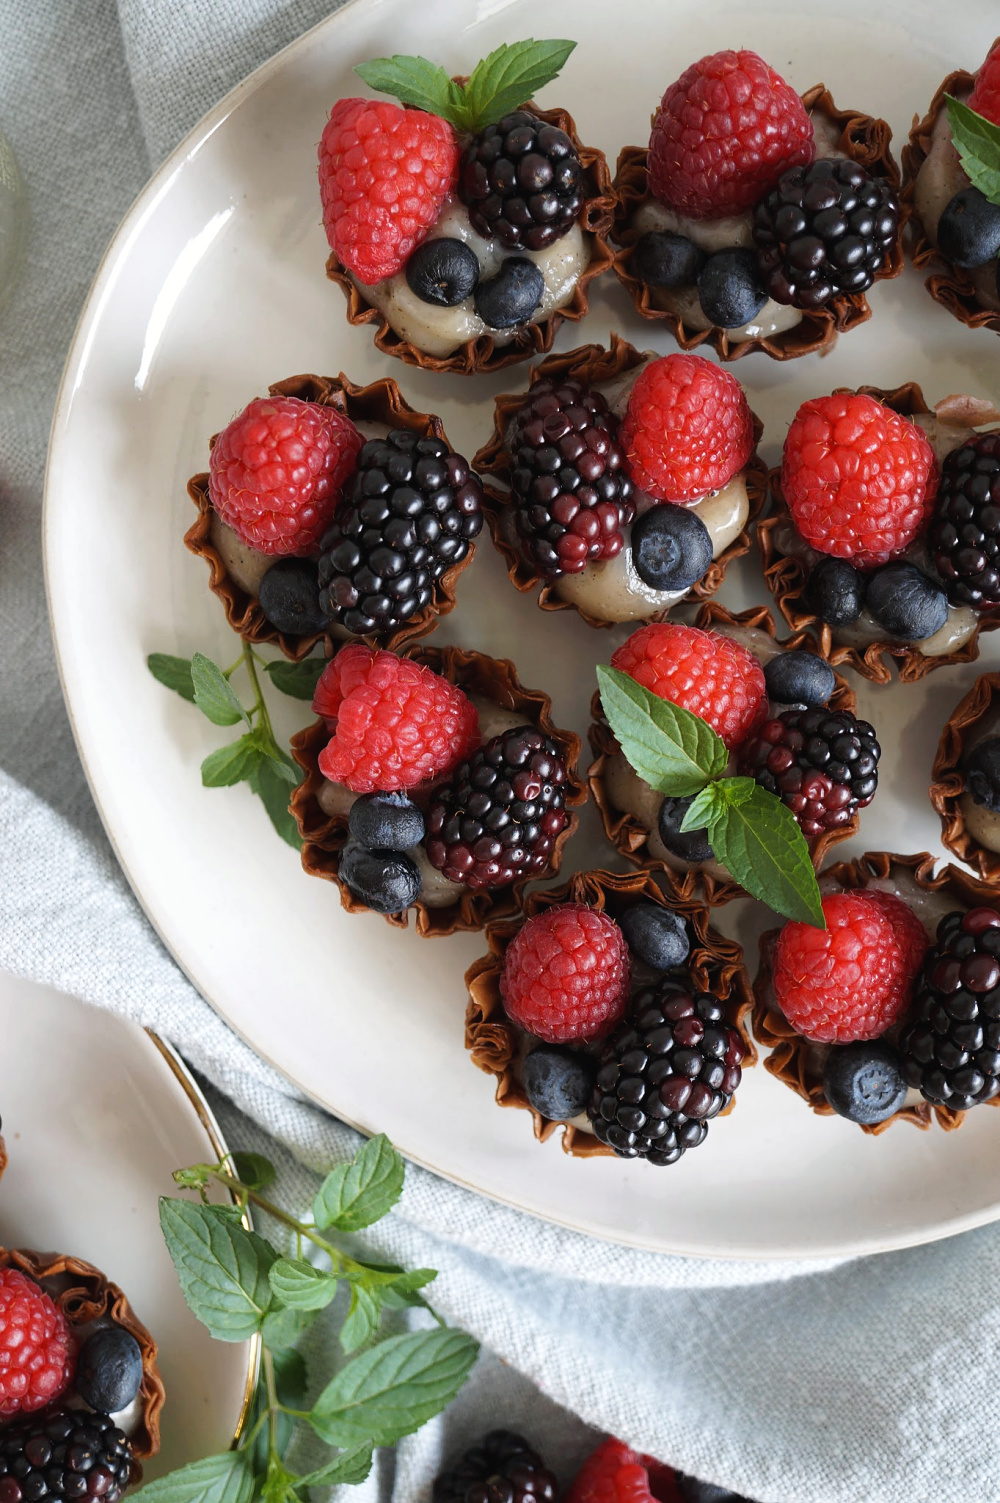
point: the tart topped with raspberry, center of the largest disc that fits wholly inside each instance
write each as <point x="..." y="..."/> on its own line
<point x="332" y="510"/>
<point x="622" y="483"/>
<point x="885" y="537"/>
<point x="465" y="221"/>
<point x="756" y="219"/>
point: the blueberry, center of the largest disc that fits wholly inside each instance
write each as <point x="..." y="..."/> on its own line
<point x="109" y="1370"/>
<point x="558" y="1082"/>
<point x="730" y="289"/>
<point x="969" y="229"/>
<point x="664" y="260"/>
<point x="694" y="1491"/>
<point x="799" y="678"/>
<point x="385" y="881"/>
<point x="656" y="936"/>
<point x="671" y="547"/>
<point x="511" y="297"/>
<point x="906" y="603"/>
<point x="836" y="591"/>
<point x="692" y="845"/>
<point x="982" y="773"/>
<point x="386" y="822"/>
<point x="289" y="597"/>
<point x="863" y="1082"/>
<point x="443" y="271"/>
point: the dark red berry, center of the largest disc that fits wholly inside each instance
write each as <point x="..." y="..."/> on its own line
<point x="823" y="764"/>
<point x="501" y="1468"/>
<point x="964" y="534"/>
<point x="951" y="1048"/>
<point x="64" y="1455"/>
<point x="522" y="181"/>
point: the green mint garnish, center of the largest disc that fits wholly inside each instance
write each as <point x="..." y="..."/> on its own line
<point x="977" y="141"/>
<point x="255" y="758"/>
<point x="754" y="834"/>
<point x="502" y="82"/>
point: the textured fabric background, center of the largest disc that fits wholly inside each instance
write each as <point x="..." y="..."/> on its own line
<point x="866" y="1381"/>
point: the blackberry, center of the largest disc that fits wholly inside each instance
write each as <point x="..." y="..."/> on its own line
<point x="413" y="509"/>
<point x="822" y="763"/>
<point x="951" y="1048"/>
<point x="63" y="1455"/>
<point x="498" y="817"/>
<point x="824" y="229"/>
<point x="964" y="535"/>
<point x="500" y="1468"/>
<point x="568" y="478"/>
<point x="522" y="181"/>
<point x="665" y="1074"/>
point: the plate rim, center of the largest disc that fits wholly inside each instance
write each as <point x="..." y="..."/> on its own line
<point x="77" y="352"/>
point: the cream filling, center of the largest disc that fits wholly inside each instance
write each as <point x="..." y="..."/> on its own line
<point x="941" y="176"/>
<point x="440" y="331"/>
<point x="245" y="566"/>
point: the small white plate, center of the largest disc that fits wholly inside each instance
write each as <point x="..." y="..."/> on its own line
<point x="213" y="288"/>
<point x="96" y="1116"/>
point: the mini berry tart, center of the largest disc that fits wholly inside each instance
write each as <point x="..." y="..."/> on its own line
<point x="756" y="219"/>
<point x="791" y="712"/>
<point x="77" y="1370"/>
<point x="892" y="1012"/>
<point x="466" y="229"/>
<point x="334" y="510"/>
<point x="585" y="514"/>
<point x="904" y="562"/>
<point x="965" y="780"/>
<point x="589" y="977"/>
<point x="467" y="800"/>
<point x="954" y="227"/>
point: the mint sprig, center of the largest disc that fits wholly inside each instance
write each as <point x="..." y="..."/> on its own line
<point x="255" y="758"/>
<point x="977" y="141"/>
<point x="239" y="1284"/>
<point x="754" y="835"/>
<point x="509" y="77"/>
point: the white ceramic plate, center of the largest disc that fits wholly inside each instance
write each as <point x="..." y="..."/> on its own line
<point x="96" y="1116"/>
<point x="213" y="288"/>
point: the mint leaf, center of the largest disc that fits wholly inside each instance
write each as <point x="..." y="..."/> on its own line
<point x="416" y="81"/>
<point x="393" y="1388"/>
<point x="300" y="1286"/>
<point x="355" y="1195"/>
<point x="675" y="752"/>
<point x="404" y="1293"/>
<point x="274" y="791"/>
<point x="231" y="764"/>
<point x="221" y="1266"/>
<point x="298" y="680"/>
<point x="172" y="673"/>
<point x="217" y="1479"/>
<point x="978" y="143"/>
<point x="279" y="761"/>
<point x="347" y="1469"/>
<point x="757" y="839"/>
<point x="362" y="1318"/>
<point x="213" y="693"/>
<point x="511" y="76"/>
<point x="283" y="1329"/>
<point x="254" y="1170"/>
<point x="705" y="808"/>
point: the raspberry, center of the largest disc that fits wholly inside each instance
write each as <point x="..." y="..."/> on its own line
<point x="566" y="974"/>
<point x="384" y="173"/>
<point x="702" y="671"/>
<point x="37" y="1346"/>
<point x="688" y="429"/>
<point x="854" y="979"/>
<point x="723" y="135"/>
<point x="615" y="1474"/>
<point x="859" y="479"/>
<point x="822" y="763"/>
<point x="395" y="724"/>
<point x="276" y="473"/>
<point x="985" y="96"/>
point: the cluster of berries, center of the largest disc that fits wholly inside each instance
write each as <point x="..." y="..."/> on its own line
<point x="503" y="1467"/>
<point x="578" y="475"/>
<point x="864" y="488"/>
<point x="899" y="1013"/>
<point x="407" y="743"/>
<point x="361" y="531"/>
<point x="669" y="1061"/>
<point x="49" y="1447"/>
<point x="732" y="139"/>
